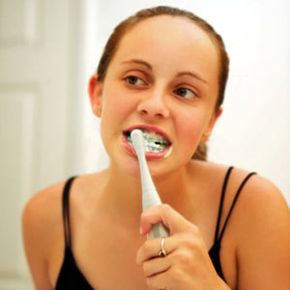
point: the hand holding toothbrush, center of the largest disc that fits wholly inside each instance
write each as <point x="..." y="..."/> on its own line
<point x="186" y="265"/>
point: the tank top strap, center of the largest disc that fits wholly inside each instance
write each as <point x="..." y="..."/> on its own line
<point x="65" y="211"/>
<point x="243" y="183"/>
<point x="221" y="204"/>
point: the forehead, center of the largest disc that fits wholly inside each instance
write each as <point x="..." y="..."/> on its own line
<point x="168" y="39"/>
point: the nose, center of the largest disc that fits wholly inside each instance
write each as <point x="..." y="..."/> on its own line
<point x="154" y="106"/>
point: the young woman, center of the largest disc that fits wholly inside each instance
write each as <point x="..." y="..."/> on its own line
<point x="164" y="71"/>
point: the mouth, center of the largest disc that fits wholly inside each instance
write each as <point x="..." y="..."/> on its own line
<point x="154" y="142"/>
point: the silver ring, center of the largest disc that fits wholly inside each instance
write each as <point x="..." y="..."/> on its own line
<point x="162" y="252"/>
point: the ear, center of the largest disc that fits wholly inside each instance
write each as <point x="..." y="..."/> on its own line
<point x="215" y="116"/>
<point x="95" y="93"/>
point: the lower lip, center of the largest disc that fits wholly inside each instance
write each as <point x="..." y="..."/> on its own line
<point x="149" y="155"/>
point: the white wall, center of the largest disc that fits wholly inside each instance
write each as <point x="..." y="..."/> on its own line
<point x="37" y="96"/>
<point x="253" y="132"/>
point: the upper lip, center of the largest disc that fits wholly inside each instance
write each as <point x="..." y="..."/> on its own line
<point x="149" y="128"/>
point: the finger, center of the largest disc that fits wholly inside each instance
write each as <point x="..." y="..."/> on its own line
<point x="151" y="249"/>
<point x="156" y="266"/>
<point x="165" y="214"/>
<point x="159" y="281"/>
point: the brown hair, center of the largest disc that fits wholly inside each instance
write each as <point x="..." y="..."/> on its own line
<point x="125" y="25"/>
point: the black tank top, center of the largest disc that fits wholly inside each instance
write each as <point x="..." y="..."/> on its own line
<point x="71" y="278"/>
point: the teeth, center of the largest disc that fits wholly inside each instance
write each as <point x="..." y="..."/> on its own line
<point x="152" y="141"/>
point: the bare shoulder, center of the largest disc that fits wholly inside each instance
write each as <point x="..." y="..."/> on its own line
<point x="41" y="215"/>
<point x="259" y="229"/>
<point x="262" y="231"/>
<point x="261" y="198"/>
<point x="263" y="209"/>
<point x="259" y="201"/>
<point x="42" y="229"/>
<point x="44" y="206"/>
<point x="258" y="192"/>
<point x="40" y="203"/>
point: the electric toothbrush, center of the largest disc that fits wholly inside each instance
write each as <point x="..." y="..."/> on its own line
<point x="150" y="195"/>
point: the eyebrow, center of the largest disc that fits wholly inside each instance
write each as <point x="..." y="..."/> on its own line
<point x="138" y="61"/>
<point x="192" y="74"/>
<point x="185" y="73"/>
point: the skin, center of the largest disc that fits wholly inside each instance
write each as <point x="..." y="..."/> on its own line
<point x="107" y="225"/>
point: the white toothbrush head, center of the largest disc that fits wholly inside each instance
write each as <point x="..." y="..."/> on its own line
<point x="150" y="196"/>
<point x="138" y="142"/>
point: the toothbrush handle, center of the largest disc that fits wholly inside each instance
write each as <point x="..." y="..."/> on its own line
<point x="158" y="231"/>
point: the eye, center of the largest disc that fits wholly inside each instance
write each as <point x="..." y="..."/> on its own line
<point x="185" y="93"/>
<point x="135" y="81"/>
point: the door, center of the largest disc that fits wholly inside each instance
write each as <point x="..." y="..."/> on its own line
<point x="36" y="111"/>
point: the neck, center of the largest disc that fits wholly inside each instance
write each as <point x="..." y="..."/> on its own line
<point x="122" y="194"/>
<point x="174" y="188"/>
<point x="121" y="197"/>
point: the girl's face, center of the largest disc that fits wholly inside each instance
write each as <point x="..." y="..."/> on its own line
<point x="163" y="78"/>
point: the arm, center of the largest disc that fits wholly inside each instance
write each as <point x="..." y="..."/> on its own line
<point x="264" y="239"/>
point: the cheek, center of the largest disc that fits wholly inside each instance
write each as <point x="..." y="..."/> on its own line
<point x="191" y="128"/>
<point x="115" y="105"/>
